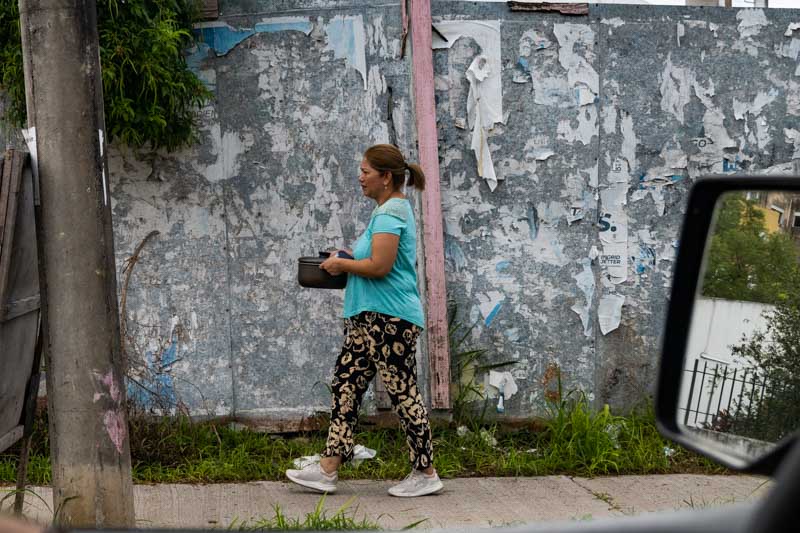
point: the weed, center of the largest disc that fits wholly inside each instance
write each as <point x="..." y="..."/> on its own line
<point x="467" y="367"/>
<point x="317" y="520"/>
<point x="576" y="440"/>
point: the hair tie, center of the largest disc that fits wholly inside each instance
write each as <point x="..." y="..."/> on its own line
<point x="405" y="165"/>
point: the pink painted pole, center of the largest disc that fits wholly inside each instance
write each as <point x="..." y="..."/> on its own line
<point x="433" y="235"/>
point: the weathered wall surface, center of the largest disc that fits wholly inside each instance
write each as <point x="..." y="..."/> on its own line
<point x="216" y="317"/>
<point x="607" y="119"/>
<point x="600" y="123"/>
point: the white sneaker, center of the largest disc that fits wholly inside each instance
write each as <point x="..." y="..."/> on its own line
<point x="417" y="483"/>
<point x="313" y="477"/>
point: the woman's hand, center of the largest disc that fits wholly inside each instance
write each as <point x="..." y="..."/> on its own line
<point x="333" y="265"/>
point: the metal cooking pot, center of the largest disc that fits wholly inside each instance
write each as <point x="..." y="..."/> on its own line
<point x="309" y="274"/>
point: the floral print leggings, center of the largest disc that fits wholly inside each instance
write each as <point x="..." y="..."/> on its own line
<point x="377" y="343"/>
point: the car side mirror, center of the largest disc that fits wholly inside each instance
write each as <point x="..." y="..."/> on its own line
<point x="729" y="382"/>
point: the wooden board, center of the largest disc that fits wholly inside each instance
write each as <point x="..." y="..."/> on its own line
<point x="19" y="294"/>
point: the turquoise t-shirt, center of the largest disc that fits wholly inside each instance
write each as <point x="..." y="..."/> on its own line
<point x="396" y="293"/>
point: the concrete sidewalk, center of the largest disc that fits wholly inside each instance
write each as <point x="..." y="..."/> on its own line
<point x="473" y="502"/>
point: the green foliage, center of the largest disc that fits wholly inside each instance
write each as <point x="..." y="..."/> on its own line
<point x="12" y="78"/>
<point x="317" y="520"/>
<point x="773" y="413"/>
<point x="150" y="96"/>
<point x="467" y="365"/>
<point x="745" y="262"/>
<point x="575" y="440"/>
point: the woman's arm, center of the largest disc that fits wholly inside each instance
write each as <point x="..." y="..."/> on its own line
<point x="378" y="265"/>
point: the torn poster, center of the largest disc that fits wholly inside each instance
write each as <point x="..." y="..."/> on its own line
<point x="615" y="260"/>
<point x="503" y="382"/>
<point x="490" y="304"/>
<point x="347" y="39"/>
<point x="581" y="76"/>
<point x="479" y="121"/>
<point x="613" y="227"/>
<point x="585" y="280"/>
<point x="609" y="312"/>
<point x="222" y="37"/>
<point x="485" y="98"/>
<point x="614" y="239"/>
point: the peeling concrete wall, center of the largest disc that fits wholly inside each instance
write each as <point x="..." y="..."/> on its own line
<point x="566" y="151"/>
<point x="217" y="322"/>
<point x="607" y="120"/>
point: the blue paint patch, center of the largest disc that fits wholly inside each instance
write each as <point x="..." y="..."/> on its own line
<point x="730" y="166"/>
<point x="222" y="39"/>
<point x="522" y="63"/>
<point x="493" y="314"/>
<point x="646" y="259"/>
<point x="676" y="178"/>
<point x="272" y="27"/>
<point x="533" y="221"/>
<point x="502" y="266"/>
<point x="344" y="36"/>
<point x="155" y="387"/>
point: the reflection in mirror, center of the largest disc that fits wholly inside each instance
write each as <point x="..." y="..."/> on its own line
<point x="741" y="382"/>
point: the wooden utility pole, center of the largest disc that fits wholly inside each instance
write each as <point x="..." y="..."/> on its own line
<point x="90" y="451"/>
<point x="433" y="232"/>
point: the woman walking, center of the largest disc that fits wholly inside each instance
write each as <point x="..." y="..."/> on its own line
<point x="382" y="320"/>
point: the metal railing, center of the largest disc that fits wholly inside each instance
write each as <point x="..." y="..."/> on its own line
<point x="716" y="392"/>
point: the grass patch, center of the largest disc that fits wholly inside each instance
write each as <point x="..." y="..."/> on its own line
<point x="576" y="440"/>
<point x="317" y="520"/>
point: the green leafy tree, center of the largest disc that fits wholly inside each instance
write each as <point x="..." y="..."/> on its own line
<point x="746" y="262"/>
<point x="151" y="98"/>
<point x="771" y="409"/>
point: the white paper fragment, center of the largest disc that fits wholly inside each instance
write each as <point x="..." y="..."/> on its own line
<point x="531" y="41"/>
<point x="676" y="87"/>
<point x="580" y="72"/>
<point x="542" y="154"/>
<point x="792" y="27"/>
<point x="485" y="98"/>
<point x="576" y="211"/>
<point x="29" y="134"/>
<point x="614" y="259"/>
<point x="593" y="253"/>
<point x="479" y="117"/>
<point x="762" y="99"/>
<point x="793" y="136"/>
<point x="639" y="194"/>
<point x="101" y="141"/>
<point x="504" y="383"/>
<point x="586" y="130"/>
<point x="348" y="41"/>
<point x="620" y="171"/>
<point x="585" y="280"/>
<point x="790" y="49"/>
<point x="609" y="312"/>
<point x="681" y="33"/>
<point x="614" y="196"/>
<point x="750" y="22"/>
<point x="360" y="453"/>
<point x="490" y="304"/>
<point x="616" y="22"/>
<point x="645" y="237"/>
<point x="714" y="28"/>
<point x="629" y="140"/>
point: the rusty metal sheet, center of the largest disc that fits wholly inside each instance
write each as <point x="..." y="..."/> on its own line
<point x="19" y="295"/>
<point x="562" y="8"/>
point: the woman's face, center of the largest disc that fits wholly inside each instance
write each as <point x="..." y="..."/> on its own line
<point x="373" y="183"/>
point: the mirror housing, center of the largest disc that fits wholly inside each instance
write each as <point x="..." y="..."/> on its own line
<point x="695" y="233"/>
